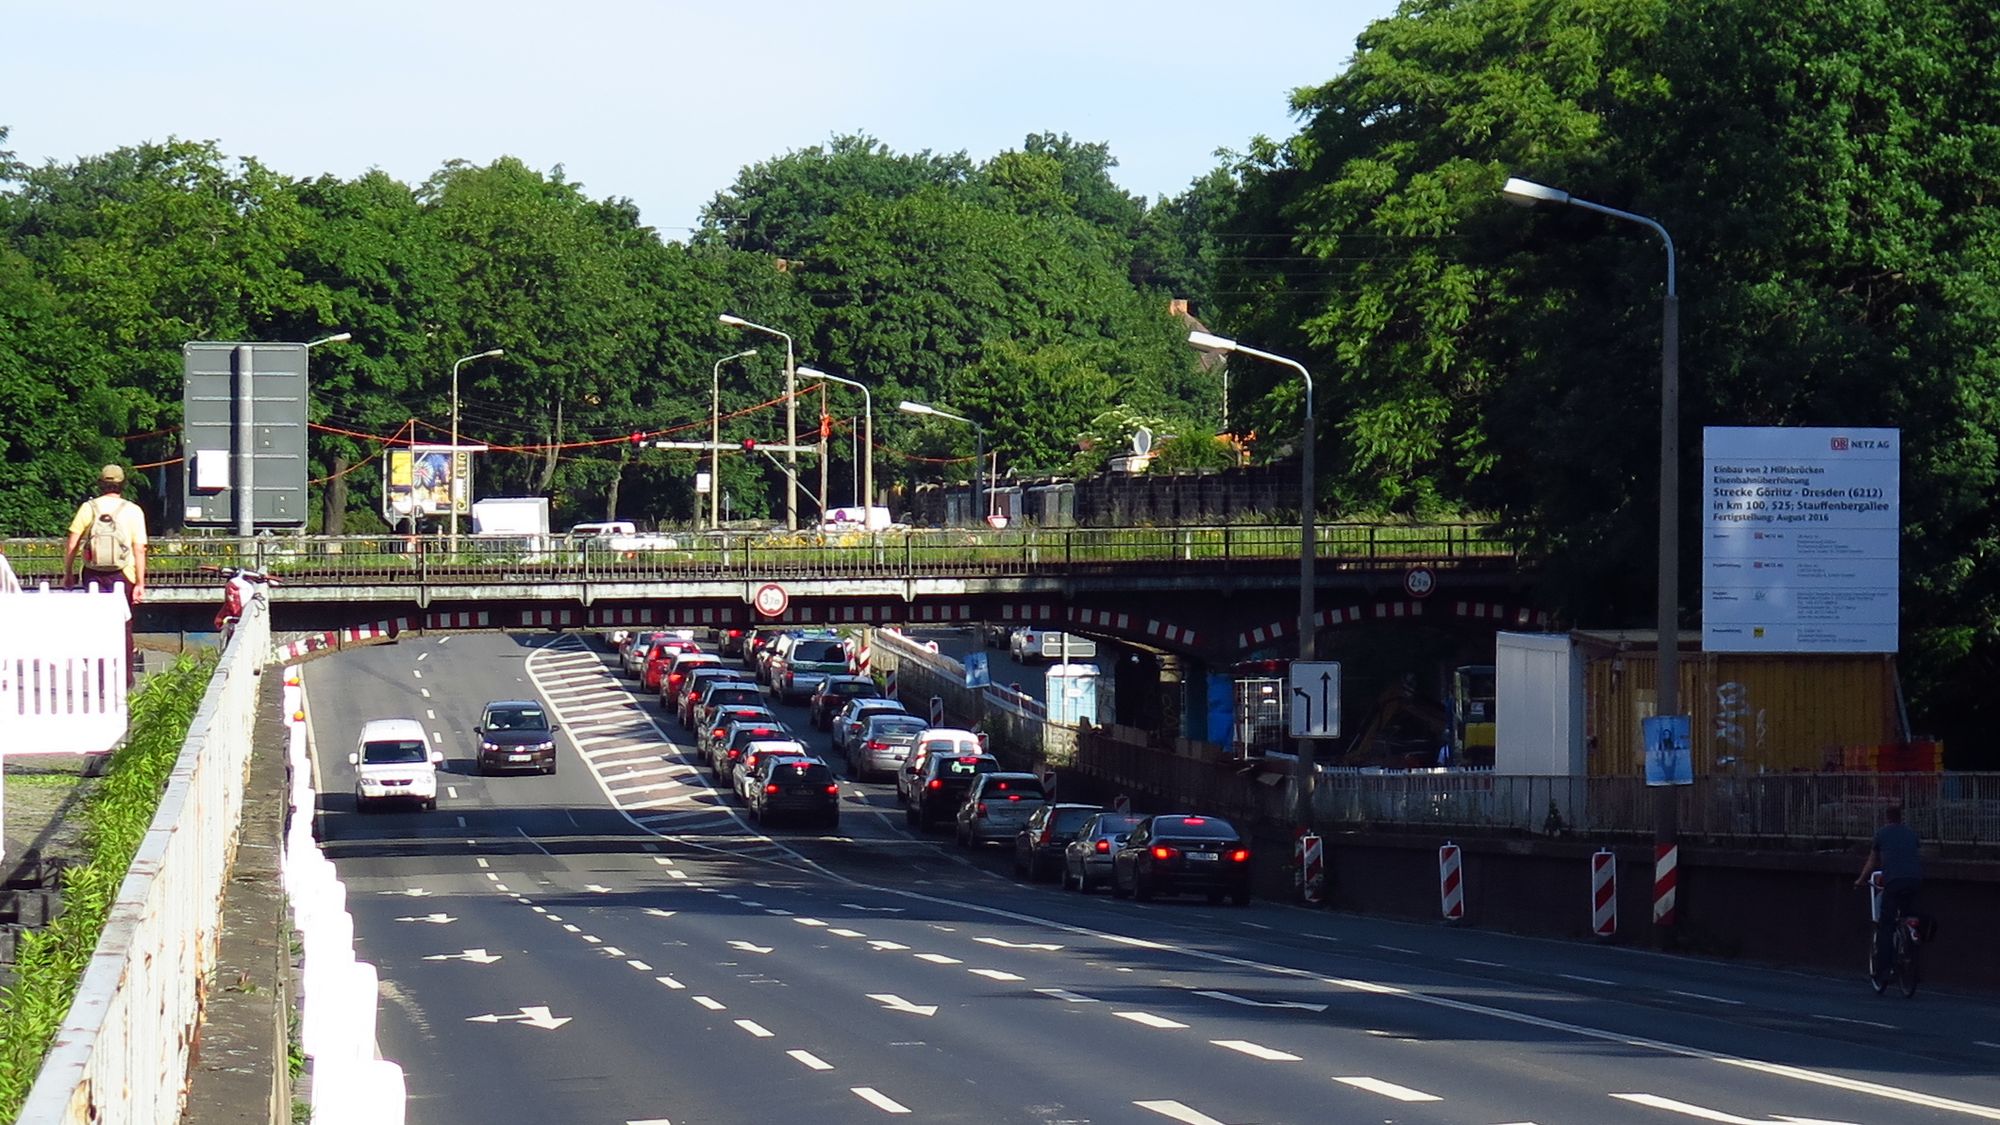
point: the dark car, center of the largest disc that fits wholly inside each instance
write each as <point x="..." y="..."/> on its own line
<point x="725" y="751"/>
<point x="715" y="727"/>
<point x="801" y="787"/>
<point x="724" y="695"/>
<point x="729" y="642"/>
<point x="1179" y="854"/>
<point x="938" y="791"/>
<point x="695" y="689"/>
<point x="515" y="734"/>
<point x="833" y="692"/>
<point x="754" y="645"/>
<point x="1038" y="846"/>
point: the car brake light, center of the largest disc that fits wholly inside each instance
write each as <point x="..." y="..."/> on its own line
<point x="771" y="788"/>
<point x="1013" y="796"/>
<point x="1103" y="847"/>
<point x="968" y="761"/>
<point x="935" y="784"/>
<point x="716" y="733"/>
<point x="735" y="754"/>
<point x="1194" y="820"/>
<point x="1161" y="851"/>
<point x="1240" y="855"/>
<point x="833" y="790"/>
<point x="878" y="745"/>
<point x="981" y="810"/>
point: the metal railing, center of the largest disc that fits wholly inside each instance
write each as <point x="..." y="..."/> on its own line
<point x="956" y="552"/>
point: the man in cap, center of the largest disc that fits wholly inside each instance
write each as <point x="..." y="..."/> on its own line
<point x="110" y="532"/>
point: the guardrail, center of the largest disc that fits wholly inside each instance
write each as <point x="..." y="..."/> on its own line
<point x="1015" y="552"/>
<point x="121" y="1054"/>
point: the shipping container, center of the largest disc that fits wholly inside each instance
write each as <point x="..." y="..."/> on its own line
<point x="1749" y="713"/>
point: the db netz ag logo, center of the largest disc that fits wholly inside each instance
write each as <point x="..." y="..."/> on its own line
<point x="1842" y="445"/>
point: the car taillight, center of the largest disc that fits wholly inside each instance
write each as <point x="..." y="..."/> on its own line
<point x="1161" y="851"/>
<point x="716" y="733"/>
<point x="878" y="745"/>
<point x="981" y="810"/>
<point x="771" y="788"/>
<point x="935" y="784"/>
<point x="1103" y="847"/>
<point x="1240" y="855"/>
<point x="833" y="790"/>
<point x="1013" y="796"/>
<point x="736" y="632"/>
<point x="735" y="754"/>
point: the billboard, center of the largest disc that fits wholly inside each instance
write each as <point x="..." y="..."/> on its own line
<point x="425" y="481"/>
<point x="1800" y="539"/>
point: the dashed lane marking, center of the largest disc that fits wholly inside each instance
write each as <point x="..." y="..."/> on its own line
<point x="1148" y="1019"/>
<point x="1178" y="1112"/>
<point x="671" y="983"/>
<point x="812" y="1061"/>
<point x="1705" y="996"/>
<point x="879" y="1100"/>
<point x="1256" y="1051"/>
<point x="1387" y="1089"/>
<point x="995" y="974"/>
<point x="706" y="1002"/>
<point x="939" y="959"/>
<point x="754" y="1028"/>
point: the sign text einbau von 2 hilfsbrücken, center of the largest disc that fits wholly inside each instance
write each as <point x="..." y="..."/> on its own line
<point x="1800" y="543"/>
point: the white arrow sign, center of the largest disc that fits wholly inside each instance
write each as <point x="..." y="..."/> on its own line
<point x="658" y="913"/>
<point x="1005" y="944"/>
<point x="476" y="956"/>
<point x="895" y="1003"/>
<point x="440" y="919"/>
<point x="593" y="888"/>
<point x="1247" y="1002"/>
<point x="533" y="1017"/>
<point x="408" y="892"/>
<point x="880" y="909"/>
<point x="748" y="948"/>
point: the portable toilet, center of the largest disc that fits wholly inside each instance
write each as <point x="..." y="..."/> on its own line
<point x="1072" y="693"/>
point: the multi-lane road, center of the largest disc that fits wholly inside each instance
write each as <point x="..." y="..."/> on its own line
<point x="617" y="943"/>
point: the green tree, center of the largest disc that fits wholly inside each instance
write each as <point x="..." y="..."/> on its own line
<point x="781" y="207"/>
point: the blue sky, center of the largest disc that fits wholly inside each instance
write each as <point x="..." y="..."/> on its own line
<point x="664" y="101"/>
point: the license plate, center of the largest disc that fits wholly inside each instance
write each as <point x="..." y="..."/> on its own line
<point x="520" y="757"/>
<point x="1199" y="856"/>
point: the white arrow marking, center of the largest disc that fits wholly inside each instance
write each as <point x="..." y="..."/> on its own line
<point x="881" y="909"/>
<point x="748" y="948"/>
<point x="1005" y="944"/>
<point x="895" y="1003"/>
<point x="1247" y="1002"/>
<point x="532" y="1016"/>
<point x="440" y="919"/>
<point x="476" y="956"/>
<point x="658" y="913"/>
<point x="409" y="892"/>
<point x="595" y="889"/>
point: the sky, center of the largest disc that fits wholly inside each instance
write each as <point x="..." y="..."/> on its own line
<point x="663" y="102"/>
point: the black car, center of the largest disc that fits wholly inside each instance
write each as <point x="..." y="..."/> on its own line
<point x="940" y="789"/>
<point x="1178" y="854"/>
<point x="515" y="734"/>
<point x="796" y="786"/>
<point x="1038" y="846"/>
<point x="724" y="752"/>
<point x="833" y="692"/>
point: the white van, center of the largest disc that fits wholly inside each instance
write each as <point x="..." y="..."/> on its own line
<point x="393" y="761"/>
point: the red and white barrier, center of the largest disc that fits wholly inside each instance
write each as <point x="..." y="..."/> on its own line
<point x="1311" y="859"/>
<point x="1603" y="893"/>
<point x="863" y="656"/>
<point x="1666" y="877"/>
<point x="1451" y="883"/>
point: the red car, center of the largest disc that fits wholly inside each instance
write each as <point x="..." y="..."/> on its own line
<point x="661" y="655"/>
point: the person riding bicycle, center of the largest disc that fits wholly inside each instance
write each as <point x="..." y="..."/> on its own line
<point x="1894" y="853"/>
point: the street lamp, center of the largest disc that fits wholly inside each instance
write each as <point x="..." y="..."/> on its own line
<point x="978" y="450"/>
<point x="453" y="466"/>
<point x="336" y="338"/>
<point x="1308" y="539"/>
<point x="715" y="438"/>
<point x="867" y="481"/>
<point x="1666" y="810"/>
<point x="791" y="417"/>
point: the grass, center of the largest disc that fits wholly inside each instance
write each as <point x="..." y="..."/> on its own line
<point x="51" y="961"/>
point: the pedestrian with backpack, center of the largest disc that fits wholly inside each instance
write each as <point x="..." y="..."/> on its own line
<point x="109" y="533"/>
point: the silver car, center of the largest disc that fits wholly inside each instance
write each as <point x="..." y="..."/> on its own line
<point x="884" y="741"/>
<point x="1087" y="859"/>
<point x="855" y="713"/>
<point x="997" y="807"/>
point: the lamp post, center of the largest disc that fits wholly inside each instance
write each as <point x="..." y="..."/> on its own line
<point x="336" y="338"/>
<point x="866" y="482"/>
<point x="791" y="416"/>
<point x="490" y="353"/>
<point x="1666" y="810"/>
<point x="978" y="449"/>
<point x="715" y="436"/>
<point x="1302" y="775"/>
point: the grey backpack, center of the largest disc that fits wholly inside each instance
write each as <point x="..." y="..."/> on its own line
<point x="107" y="548"/>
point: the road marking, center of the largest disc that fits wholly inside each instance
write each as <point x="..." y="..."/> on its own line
<point x="1388" y="1089"/>
<point x="1864" y="1023"/>
<point x="427" y="656"/>
<point x="476" y="956"/>
<point x="1396" y="949"/>
<point x="879" y="1100"/>
<point x="812" y="1061"/>
<point x="438" y="919"/>
<point x="895" y="1003"/>
<point x="1249" y="1003"/>
<point x="1703" y="1113"/>
<point x="408" y="892"/>
<point x="1477" y="961"/>
<point x="711" y="1005"/>
<point x="809" y="921"/>
<point x="553" y="917"/>
<point x="676" y="873"/>
<point x="532" y="1016"/>
<point x="754" y="1028"/>
<point x="493" y="876"/>
<point x="461" y="822"/>
<point x="532" y="840"/>
<point x="663" y="861"/>
<point x="1066" y="996"/>
<point x="882" y="909"/>
<point x="1148" y="1019"/>
<point x="595" y="889"/>
<point x="480" y="860"/>
<point x="1256" y="1051"/>
<point x="995" y="974"/>
<point x="670" y="983"/>
<point x="1587" y="980"/>
<point x="1179" y="1112"/>
<point x="658" y="913"/>
<point x="846" y="933"/>
<point x="1004" y="944"/>
<point x="502" y="887"/>
<point x="570" y="926"/>
<point x="425" y="692"/>
<point x="1705" y="996"/>
<point x="888" y="945"/>
<point x="430" y="714"/>
<point x="613" y="951"/>
<point x="749" y="948"/>
<point x="939" y="959"/>
<point x="640" y="965"/>
<point x="418" y="674"/>
<point x="540" y="909"/>
<point x="776" y="913"/>
<point x="1984" y="1043"/>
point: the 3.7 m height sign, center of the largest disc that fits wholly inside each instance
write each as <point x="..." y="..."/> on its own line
<point x="1800" y="540"/>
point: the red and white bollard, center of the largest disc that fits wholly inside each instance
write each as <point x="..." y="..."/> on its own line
<point x="1666" y="877"/>
<point x="1604" y="893"/>
<point x="1311" y="861"/>
<point x="889" y="683"/>
<point x="1451" y="883"/>
<point x="863" y="656"/>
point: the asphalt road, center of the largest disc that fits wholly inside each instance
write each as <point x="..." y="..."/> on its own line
<point x="617" y="943"/>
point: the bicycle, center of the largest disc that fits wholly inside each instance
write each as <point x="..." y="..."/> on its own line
<point x="241" y="587"/>
<point x="1903" y="969"/>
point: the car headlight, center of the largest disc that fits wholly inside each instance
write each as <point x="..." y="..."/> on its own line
<point x="485" y="745"/>
<point x="545" y="746"/>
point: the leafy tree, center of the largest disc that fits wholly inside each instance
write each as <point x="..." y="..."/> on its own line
<point x="1192" y="453"/>
<point x="782" y="206"/>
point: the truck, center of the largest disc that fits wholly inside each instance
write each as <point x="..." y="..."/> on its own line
<point x="516" y="525"/>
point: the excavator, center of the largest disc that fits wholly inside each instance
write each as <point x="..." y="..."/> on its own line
<point x="1407" y="731"/>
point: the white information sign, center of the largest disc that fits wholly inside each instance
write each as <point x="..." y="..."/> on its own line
<point x="1800" y="540"/>
<point x="1314" y="705"/>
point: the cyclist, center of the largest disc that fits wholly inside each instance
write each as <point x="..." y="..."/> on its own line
<point x="1894" y="853"/>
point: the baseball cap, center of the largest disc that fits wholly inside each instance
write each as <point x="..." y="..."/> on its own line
<point x="111" y="474"/>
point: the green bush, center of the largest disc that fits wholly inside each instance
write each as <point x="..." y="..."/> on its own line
<point x="51" y="961"/>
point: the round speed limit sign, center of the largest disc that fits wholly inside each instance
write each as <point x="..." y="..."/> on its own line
<point x="770" y="599"/>
<point x="1419" y="582"/>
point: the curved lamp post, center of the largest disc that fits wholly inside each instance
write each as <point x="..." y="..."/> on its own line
<point x="490" y="353"/>
<point x="715" y="439"/>
<point x="978" y="450"/>
<point x="791" y="416"/>
<point x="866" y="482"/>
